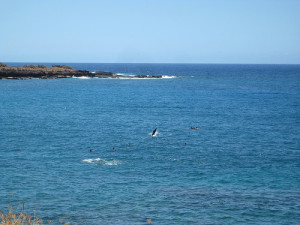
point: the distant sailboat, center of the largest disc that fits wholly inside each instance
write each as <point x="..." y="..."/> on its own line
<point x="154" y="132"/>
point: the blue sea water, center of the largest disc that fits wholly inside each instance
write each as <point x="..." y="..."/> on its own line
<point x="242" y="166"/>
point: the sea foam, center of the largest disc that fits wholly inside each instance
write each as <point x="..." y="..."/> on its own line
<point x="167" y="77"/>
<point x="113" y="162"/>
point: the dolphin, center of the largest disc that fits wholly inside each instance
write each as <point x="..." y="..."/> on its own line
<point x="154" y="132"/>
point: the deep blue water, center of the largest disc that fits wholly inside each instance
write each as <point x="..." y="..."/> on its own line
<point x="242" y="166"/>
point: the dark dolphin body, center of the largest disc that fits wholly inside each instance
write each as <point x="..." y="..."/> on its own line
<point x="154" y="132"/>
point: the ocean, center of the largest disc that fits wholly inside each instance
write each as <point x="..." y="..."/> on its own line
<point x="81" y="150"/>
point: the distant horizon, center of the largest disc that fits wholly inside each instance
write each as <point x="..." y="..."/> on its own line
<point x="155" y="63"/>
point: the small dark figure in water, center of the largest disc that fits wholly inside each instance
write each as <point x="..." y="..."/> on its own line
<point x="91" y="150"/>
<point x="154" y="132"/>
<point x="114" y="149"/>
<point x="194" y="128"/>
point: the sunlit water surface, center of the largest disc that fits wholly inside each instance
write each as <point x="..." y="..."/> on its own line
<point x="81" y="150"/>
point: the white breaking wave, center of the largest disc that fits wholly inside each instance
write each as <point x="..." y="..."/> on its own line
<point x="132" y="77"/>
<point x="135" y="78"/>
<point x="167" y="77"/>
<point x="127" y="76"/>
<point x="83" y="77"/>
<point x="113" y="162"/>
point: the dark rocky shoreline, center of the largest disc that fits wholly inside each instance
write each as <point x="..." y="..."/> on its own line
<point x="55" y="72"/>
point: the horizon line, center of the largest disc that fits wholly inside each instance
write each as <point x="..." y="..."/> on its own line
<point x="216" y="63"/>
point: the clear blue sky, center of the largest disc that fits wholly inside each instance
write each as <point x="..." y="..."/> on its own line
<point x="170" y="31"/>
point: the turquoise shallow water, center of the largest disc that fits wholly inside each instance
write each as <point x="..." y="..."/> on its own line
<point x="240" y="167"/>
